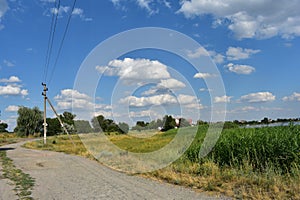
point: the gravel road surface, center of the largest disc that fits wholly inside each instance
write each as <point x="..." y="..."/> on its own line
<point x="62" y="176"/>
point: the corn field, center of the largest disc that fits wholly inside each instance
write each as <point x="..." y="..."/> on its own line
<point x="276" y="148"/>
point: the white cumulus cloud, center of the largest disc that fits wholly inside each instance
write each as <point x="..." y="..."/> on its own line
<point x="222" y="99"/>
<point x="201" y="51"/>
<point x="69" y="98"/>
<point x="249" y="19"/>
<point x="238" y="53"/>
<point x="171" y="84"/>
<point x="160" y="99"/>
<point x="204" y="75"/>
<point x="13" y="90"/>
<point x="240" y="69"/>
<point x="258" y="97"/>
<point x="8" y="63"/>
<point x="294" y="97"/>
<point x="12" y="108"/>
<point x="12" y="79"/>
<point x="135" y="70"/>
<point x="60" y="11"/>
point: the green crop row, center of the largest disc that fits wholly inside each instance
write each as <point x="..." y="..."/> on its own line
<point x="261" y="148"/>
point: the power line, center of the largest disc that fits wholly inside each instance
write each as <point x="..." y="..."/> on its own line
<point x="62" y="41"/>
<point x="51" y="37"/>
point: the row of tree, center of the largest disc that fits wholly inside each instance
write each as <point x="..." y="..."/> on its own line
<point x="3" y="127"/>
<point x="167" y="123"/>
<point x="30" y="122"/>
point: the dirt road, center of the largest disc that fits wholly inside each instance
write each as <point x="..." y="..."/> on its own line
<point x="62" y="176"/>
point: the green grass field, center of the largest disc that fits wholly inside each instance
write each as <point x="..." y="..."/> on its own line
<point x="254" y="163"/>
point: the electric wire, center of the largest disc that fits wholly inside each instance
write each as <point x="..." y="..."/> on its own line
<point x="62" y="41"/>
<point x="51" y="38"/>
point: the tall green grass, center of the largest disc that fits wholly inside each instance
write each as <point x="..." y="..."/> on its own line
<point x="261" y="148"/>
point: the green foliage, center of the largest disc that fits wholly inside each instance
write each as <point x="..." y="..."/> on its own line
<point x="101" y="124"/>
<point x="124" y="128"/>
<point x="68" y="120"/>
<point x="3" y="127"/>
<point x="184" y="122"/>
<point x="229" y="125"/>
<point x="83" y="126"/>
<point x="169" y="123"/>
<point x="29" y="121"/>
<point x="265" y="120"/>
<point x="53" y="127"/>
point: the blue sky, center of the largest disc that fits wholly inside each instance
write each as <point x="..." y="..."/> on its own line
<point x="254" y="46"/>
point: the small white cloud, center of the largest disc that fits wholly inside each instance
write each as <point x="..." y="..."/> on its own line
<point x="244" y="109"/>
<point x="60" y="11"/>
<point x="145" y="4"/>
<point x="12" y="108"/>
<point x="167" y="3"/>
<point x="204" y="75"/>
<point x="205" y="90"/>
<point x="222" y="99"/>
<point x="194" y="106"/>
<point x="171" y="84"/>
<point x="294" y="97"/>
<point x="12" y="79"/>
<point x="79" y="12"/>
<point x="3" y="8"/>
<point x="238" y="53"/>
<point x="217" y="57"/>
<point x="197" y="53"/>
<point x="240" y="69"/>
<point x="184" y="99"/>
<point x="8" y="63"/>
<point x="258" y="97"/>
<point x="29" y="49"/>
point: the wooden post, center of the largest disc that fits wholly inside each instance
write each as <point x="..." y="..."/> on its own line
<point x="45" y="121"/>
<point x="61" y="123"/>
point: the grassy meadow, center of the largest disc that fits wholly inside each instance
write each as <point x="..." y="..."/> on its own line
<point x="8" y="138"/>
<point x="246" y="163"/>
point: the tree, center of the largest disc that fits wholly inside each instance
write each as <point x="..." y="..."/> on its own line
<point x="68" y="120"/>
<point x="3" y="127"/>
<point x="265" y="120"/>
<point x="169" y="123"/>
<point x="53" y="127"/>
<point x="124" y="128"/>
<point x="29" y="121"/>
<point x="98" y="123"/>
<point x="83" y="126"/>
<point x="184" y="122"/>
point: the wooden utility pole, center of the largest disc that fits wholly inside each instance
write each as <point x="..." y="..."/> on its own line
<point x="45" y="121"/>
<point x="52" y="107"/>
